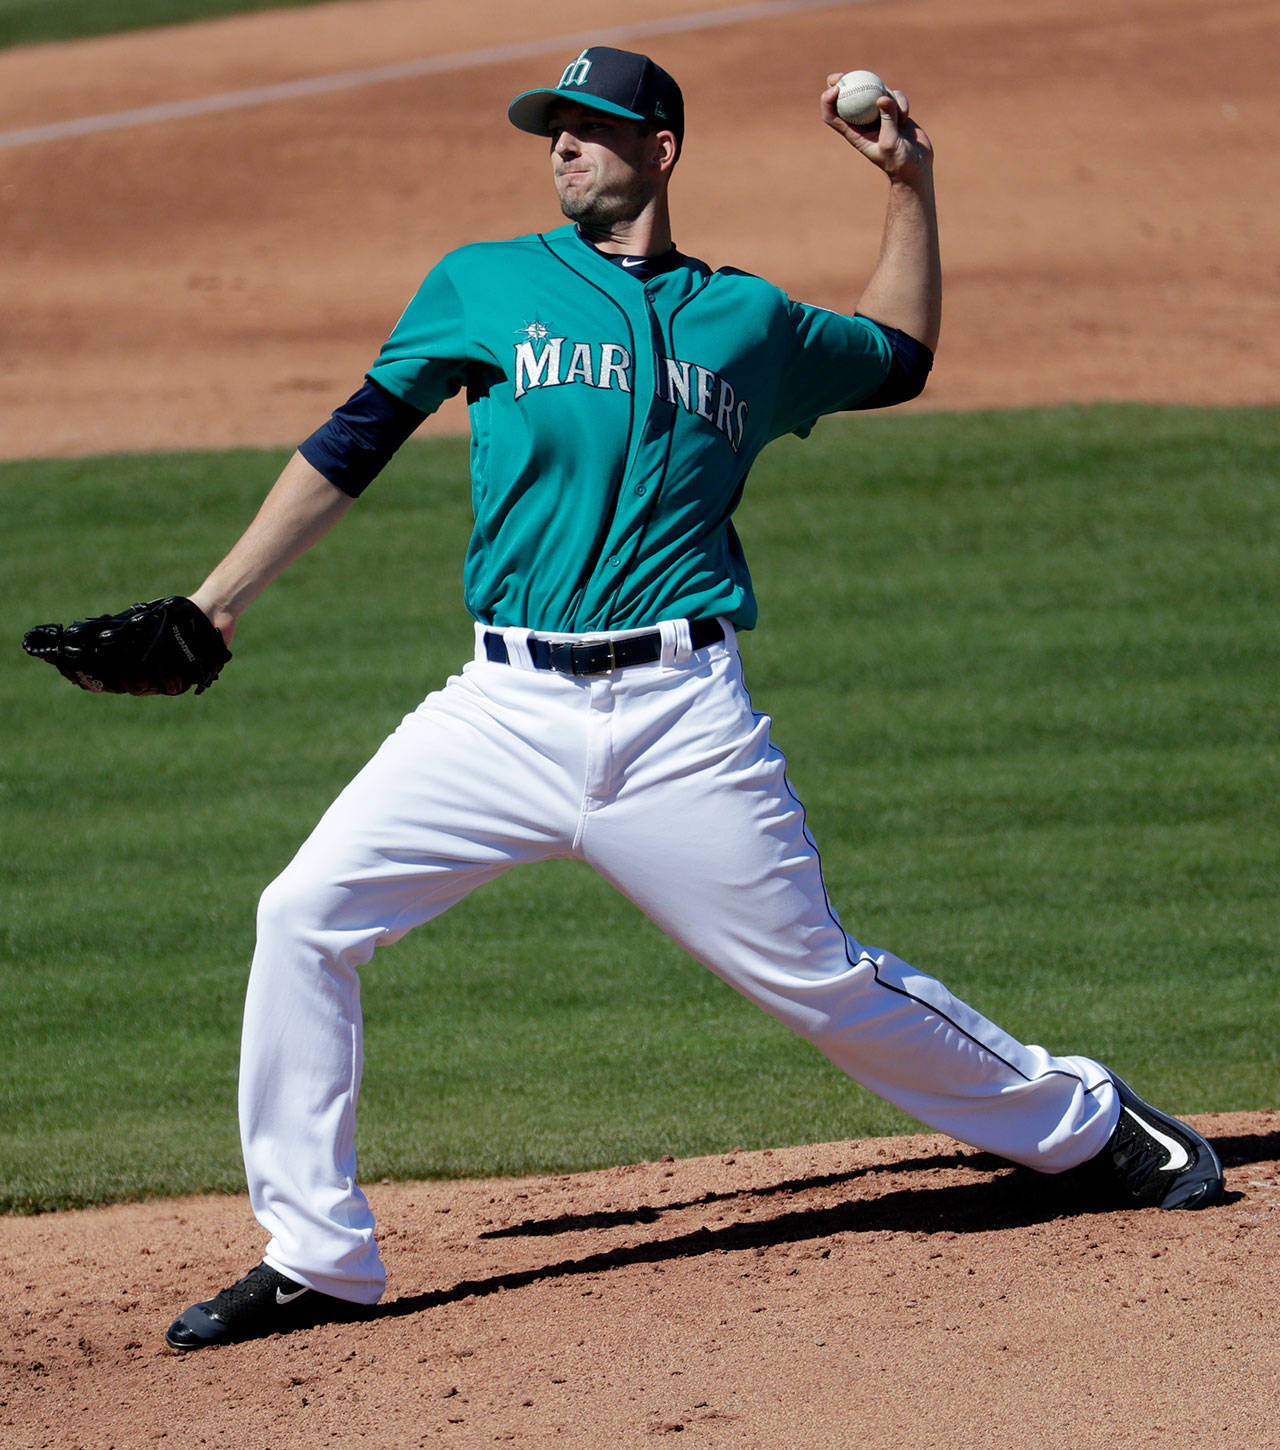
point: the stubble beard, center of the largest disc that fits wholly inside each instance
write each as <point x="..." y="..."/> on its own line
<point x="599" y="213"/>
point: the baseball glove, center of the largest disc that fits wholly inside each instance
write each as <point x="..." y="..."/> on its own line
<point x="162" y="647"/>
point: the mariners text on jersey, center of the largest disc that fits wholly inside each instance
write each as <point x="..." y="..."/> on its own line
<point x="555" y="361"/>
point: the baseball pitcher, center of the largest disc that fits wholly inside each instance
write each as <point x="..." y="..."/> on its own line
<point x="619" y="391"/>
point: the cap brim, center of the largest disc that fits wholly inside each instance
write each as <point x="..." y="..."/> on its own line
<point x="530" y="109"/>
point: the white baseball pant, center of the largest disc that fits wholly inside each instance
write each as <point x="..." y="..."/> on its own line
<point x="662" y="777"/>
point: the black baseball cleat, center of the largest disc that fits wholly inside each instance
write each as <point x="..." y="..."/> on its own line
<point x="1155" y="1161"/>
<point x="263" y="1302"/>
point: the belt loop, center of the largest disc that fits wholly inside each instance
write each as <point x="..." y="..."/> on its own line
<point x="517" y="641"/>
<point x="677" y="646"/>
<point x="481" y="631"/>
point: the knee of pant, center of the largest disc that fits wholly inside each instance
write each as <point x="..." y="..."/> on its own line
<point x="295" y="907"/>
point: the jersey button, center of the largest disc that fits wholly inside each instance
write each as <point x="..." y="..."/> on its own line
<point x="641" y="490"/>
<point x="614" y="561"/>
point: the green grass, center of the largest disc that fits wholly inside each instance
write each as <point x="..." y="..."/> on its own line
<point x="1023" y="666"/>
<point x="25" y="21"/>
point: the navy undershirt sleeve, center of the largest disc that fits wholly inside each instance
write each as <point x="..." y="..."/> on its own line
<point x="908" y="368"/>
<point x="357" y="442"/>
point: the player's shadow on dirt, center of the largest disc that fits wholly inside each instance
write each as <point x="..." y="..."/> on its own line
<point x="1004" y="1197"/>
<point x="651" y="1213"/>
<point x="1234" y="1152"/>
<point x="1247" y="1148"/>
<point x="952" y="1209"/>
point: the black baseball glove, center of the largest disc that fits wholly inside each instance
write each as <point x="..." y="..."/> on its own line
<point x="162" y="647"/>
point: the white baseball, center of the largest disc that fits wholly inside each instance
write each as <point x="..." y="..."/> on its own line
<point x="859" y="92"/>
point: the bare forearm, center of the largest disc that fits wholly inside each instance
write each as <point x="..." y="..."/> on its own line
<point x="300" y="509"/>
<point x="905" y="290"/>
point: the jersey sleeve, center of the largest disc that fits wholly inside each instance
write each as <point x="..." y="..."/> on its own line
<point x="834" y="363"/>
<point x="425" y="359"/>
<point x="359" y="439"/>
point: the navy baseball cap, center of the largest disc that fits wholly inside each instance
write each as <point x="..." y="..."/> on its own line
<point x="619" y="82"/>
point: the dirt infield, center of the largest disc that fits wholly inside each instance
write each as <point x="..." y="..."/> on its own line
<point x="893" y="1295"/>
<point x="1108" y="181"/>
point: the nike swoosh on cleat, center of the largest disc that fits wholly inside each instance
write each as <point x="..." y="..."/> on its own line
<point x="283" y="1298"/>
<point x="1178" y="1155"/>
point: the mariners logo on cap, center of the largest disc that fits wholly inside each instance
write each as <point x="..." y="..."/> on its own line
<point x="576" y="72"/>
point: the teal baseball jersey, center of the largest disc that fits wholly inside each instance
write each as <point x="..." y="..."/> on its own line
<point x="614" y="421"/>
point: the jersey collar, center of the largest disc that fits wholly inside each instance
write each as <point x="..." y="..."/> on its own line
<point x="641" y="268"/>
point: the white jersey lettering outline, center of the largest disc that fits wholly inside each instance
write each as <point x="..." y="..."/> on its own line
<point x="677" y="383"/>
<point x="615" y="361"/>
<point x="580" y="366"/>
<point x="703" y="408"/>
<point x="537" y="371"/>
<point x="724" y="409"/>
